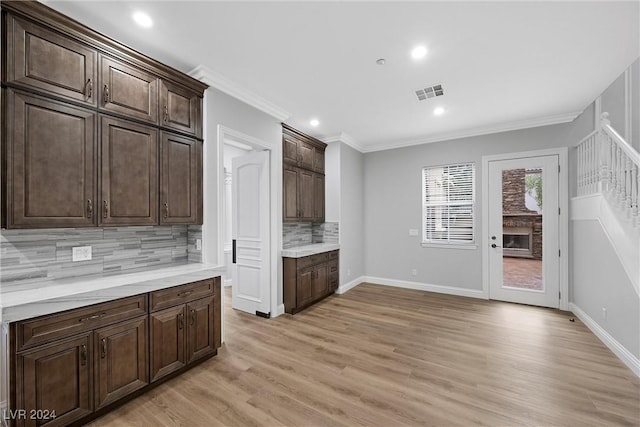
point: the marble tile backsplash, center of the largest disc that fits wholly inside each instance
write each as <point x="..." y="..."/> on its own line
<point x="32" y="256"/>
<point x="304" y="233"/>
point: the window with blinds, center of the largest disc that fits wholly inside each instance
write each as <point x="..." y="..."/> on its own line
<point x="448" y="202"/>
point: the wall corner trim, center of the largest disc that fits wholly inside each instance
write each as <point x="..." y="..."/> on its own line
<point x="345" y="139"/>
<point x="618" y="349"/>
<point x="427" y="287"/>
<point x="231" y="88"/>
<point x="280" y="310"/>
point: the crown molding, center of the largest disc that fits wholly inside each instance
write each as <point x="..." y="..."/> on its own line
<point x="231" y="88"/>
<point x="478" y="131"/>
<point x="345" y="139"/>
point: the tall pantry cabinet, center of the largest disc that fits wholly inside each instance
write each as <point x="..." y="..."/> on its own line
<point x="93" y="132"/>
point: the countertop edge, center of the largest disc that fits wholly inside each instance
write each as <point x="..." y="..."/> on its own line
<point x="308" y="250"/>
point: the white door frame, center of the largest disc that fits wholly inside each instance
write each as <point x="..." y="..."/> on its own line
<point x="275" y="208"/>
<point x="563" y="218"/>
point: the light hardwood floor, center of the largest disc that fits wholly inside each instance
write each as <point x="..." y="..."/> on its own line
<point x="381" y="356"/>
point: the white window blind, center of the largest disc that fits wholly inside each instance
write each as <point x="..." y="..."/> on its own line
<point x="448" y="202"/>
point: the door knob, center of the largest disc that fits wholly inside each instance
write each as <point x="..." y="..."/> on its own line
<point x="493" y="245"/>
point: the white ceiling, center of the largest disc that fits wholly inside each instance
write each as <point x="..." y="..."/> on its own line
<point x="503" y="65"/>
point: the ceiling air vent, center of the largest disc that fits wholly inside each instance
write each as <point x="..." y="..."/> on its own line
<point x="429" y="92"/>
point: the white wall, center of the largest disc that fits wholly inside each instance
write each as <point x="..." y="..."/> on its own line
<point x="393" y="205"/>
<point x="332" y="182"/>
<point x="351" y="214"/>
<point x="601" y="282"/>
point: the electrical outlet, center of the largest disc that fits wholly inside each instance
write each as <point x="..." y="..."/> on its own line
<point x="604" y="313"/>
<point x="198" y="244"/>
<point x="413" y="232"/>
<point x="81" y="253"/>
<point x="414" y="272"/>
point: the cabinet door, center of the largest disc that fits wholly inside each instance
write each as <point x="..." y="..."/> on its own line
<point x="178" y="179"/>
<point x="289" y="149"/>
<point x="319" y="281"/>
<point x="290" y="194"/>
<point x="129" y="179"/>
<point x="120" y="360"/>
<point x="318" y="160"/>
<point x="201" y="343"/>
<point x="306" y="195"/>
<point x="48" y="61"/>
<point x="305" y="155"/>
<point x="50" y="164"/>
<point x="318" y="198"/>
<point x="56" y="379"/>
<point x="180" y="108"/>
<point x="304" y="291"/>
<point x="128" y="90"/>
<point x="167" y="349"/>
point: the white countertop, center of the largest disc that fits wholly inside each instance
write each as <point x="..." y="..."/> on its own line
<point x="306" y="250"/>
<point x="64" y="294"/>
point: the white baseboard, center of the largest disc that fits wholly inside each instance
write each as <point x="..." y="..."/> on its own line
<point x="618" y="349"/>
<point x="350" y="285"/>
<point x="450" y="290"/>
<point x="279" y="311"/>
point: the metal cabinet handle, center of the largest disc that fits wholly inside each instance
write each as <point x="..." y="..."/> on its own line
<point x="185" y="293"/>
<point x="105" y="94"/>
<point x="105" y="209"/>
<point x="89" y="88"/>
<point x="166" y="113"/>
<point x="180" y="321"/>
<point x="95" y="316"/>
<point x="103" y="351"/>
<point x="166" y="210"/>
<point x="83" y="354"/>
<point x="89" y="208"/>
<point x="193" y="317"/>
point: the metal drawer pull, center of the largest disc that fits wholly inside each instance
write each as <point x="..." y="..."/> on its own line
<point x="166" y="113"/>
<point x="185" y="293"/>
<point x="334" y="269"/>
<point x="89" y="208"/>
<point x="105" y="209"/>
<point x="103" y="352"/>
<point x="166" y="210"/>
<point x="83" y="354"/>
<point x="89" y="88"/>
<point x="95" y="316"/>
<point x="105" y="95"/>
<point x="193" y="317"/>
<point x="180" y="321"/>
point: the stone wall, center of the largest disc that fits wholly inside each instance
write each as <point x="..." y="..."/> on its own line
<point x="514" y="211"/>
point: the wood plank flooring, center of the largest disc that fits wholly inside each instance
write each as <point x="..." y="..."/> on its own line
<point x="381" y="356"/>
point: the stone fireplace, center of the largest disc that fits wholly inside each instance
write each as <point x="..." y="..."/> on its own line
<point x="521" y="227"/>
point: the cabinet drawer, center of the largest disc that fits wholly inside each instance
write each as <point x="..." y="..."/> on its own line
<point x="333" y="255"/>
<point x="52" y="327"/>
<point x="180" y="294"/>
<point x="312" y="260"/>
<point x="333" y="267"/>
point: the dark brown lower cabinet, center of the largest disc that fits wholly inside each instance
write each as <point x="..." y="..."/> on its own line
<point x="56" y="382"/>
<point x="309" y="279"/>
<point x="181" y="335"/>
<point x="120" y="360"/>
<point x="68" y="365"/>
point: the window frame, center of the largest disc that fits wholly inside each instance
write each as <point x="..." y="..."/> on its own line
<point x="448" y="243"/>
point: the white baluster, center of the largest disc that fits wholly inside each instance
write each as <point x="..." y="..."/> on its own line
<point x="580" y="190"/>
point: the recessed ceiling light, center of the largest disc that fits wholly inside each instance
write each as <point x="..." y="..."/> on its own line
<point x="438" y="111"/>
<point x="381" y="61"/>
<point x="142" y="19"/>
<point x="419" y="52"/>
<point x="314" y="122"/>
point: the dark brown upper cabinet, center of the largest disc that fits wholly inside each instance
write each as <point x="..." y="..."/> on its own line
<point x="53" y="173"/>
<point x="129" y="173"/>
<point x="178" y="179"/>
<point x="180" y="109"/>
<point x="61" y="167"/>
<point x="48" y="61"/>
<point x="128" y="90"/>
<point x="302" y="177"/>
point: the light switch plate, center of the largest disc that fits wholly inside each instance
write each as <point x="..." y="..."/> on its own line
<point x="81" y="253"/>
<point x="198" y="244"/>
<point x="413" y="232"/>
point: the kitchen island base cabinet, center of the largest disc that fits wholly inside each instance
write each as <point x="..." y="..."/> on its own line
<point x="309" y="279"/>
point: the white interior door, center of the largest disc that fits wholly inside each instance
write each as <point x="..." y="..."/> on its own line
<point x="523" y="238"/>
<point x="250" y="233"/>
